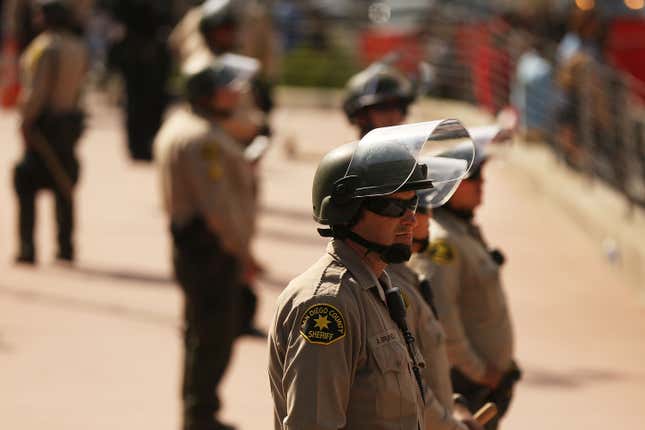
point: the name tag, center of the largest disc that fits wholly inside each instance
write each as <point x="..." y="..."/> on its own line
<point x="383" y="338"/>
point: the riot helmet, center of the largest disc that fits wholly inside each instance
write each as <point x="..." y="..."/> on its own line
<point x="204" y="75"/>
<point x="383" y="162"/>
<point x="378" y="84"/>
<point x="487" y="140"/>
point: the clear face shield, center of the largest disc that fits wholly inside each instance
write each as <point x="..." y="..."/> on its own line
<point x="490" y="140"/>
<point x="487" y="140"/>
<point x="406" y="157"/>
<point x="243" y="68"/>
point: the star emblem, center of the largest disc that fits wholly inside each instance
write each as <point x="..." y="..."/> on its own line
<point x="322" y="322"/>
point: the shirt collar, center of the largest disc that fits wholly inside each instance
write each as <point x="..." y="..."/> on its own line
<point x="444" y="216"/>
<point x="342" y="253"/>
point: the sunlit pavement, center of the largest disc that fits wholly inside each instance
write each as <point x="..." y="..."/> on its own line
<point x="97" y="345"/>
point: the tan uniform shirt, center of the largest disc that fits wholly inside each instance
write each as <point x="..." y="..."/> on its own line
<point x="53" y="67"/>
<point x="470" y="299"/>
<point x="431" y="341"/>
<point x="258" y="38"/>
<point x="336" y="358"/>
<point x="185" y="40"/>
<point x="203" y="172"/>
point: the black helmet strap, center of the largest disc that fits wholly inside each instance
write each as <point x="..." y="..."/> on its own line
<point x="391" y="254"/>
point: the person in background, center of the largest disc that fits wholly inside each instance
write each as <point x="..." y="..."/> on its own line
<point x="143" y="59"/>
<point x="340" y="352"/>
<point x="54" y="69"/>
<point x="222" y="29"/>
<point x="379" y="96"/>
<point x="207" y="188"/>
<point x="470" y="300"/>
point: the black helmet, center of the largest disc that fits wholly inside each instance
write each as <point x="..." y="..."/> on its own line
<point x="202" y="79"/>
<point x="334" y="197"/>
<point x="379" y="83"/>
<point x="328" y="208"/>
<point x="56" y="12"/>
<point x="382" y="163"/>
<point x="216" y="13"/>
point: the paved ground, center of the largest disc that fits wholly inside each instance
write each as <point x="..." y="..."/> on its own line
<point x="97" y="345"/>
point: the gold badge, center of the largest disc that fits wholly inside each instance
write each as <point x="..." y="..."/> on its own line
<point x="441" y="252"/>
<point x="322" y="324"/>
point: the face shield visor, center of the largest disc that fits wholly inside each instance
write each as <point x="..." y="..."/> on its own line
<point x="487" y="140"/>
<point x="392" y="159"/>
<point x="490" y="141"/>
<point x="241" y="68"/>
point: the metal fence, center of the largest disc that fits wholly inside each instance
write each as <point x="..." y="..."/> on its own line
<point x="591" y="113"/>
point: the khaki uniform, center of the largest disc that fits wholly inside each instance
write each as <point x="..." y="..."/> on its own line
<point x="53" y="73"/>
<point x="470" y="299"/>
<point x="186" y="40"/>
<point x="431" y="340"/>
<point x="336" y="358"/>
<point x="207" y="191"/>
<point x="204" y="173"/>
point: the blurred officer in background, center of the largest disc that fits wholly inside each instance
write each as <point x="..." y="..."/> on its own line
<point x="339" y="337"/>
<point x="470" y="300"/>
<point x="143" y="58"/>
<point x="54" y="68"/>
<point x="213" y="30"/>
<point x="207" y="187"/>
<point x="379" y="96"/>
<point x="18" y="30"/>
<point x="219" y="27"/>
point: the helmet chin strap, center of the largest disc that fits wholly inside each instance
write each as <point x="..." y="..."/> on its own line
<point x="391" y="254"/>
<point x="423" y="244"/>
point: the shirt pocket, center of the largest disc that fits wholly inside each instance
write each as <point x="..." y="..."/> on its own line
<point x="479" y="294"/>
<point x="395" y="395"/>
<point x="433" y="334"/>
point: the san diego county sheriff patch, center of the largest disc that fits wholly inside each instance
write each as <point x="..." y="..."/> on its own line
<point x="322" y="324"/>
<point x="441" y="252"/>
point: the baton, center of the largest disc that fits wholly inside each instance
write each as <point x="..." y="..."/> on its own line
<point x="62" y="179"/>
<point x="486" y="413"/>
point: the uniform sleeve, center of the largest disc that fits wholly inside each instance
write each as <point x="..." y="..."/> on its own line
<point x="439" y="418"/>
<point x="318" y="373"/>
<point x="447" y="281"/>
<point x="38" y="82"/>
<point x="436" y="416"/>
<point x="222" y="207"/>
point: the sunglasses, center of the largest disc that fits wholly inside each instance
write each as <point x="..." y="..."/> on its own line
<point x="391" y="208"/>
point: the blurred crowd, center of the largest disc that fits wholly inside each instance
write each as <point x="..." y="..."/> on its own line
<point x="572" y="71"/>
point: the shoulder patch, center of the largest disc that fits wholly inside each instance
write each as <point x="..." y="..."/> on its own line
<point x="441" y="252"/>
<point x="210" y="153"/>
<point x="322" y="324"/>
